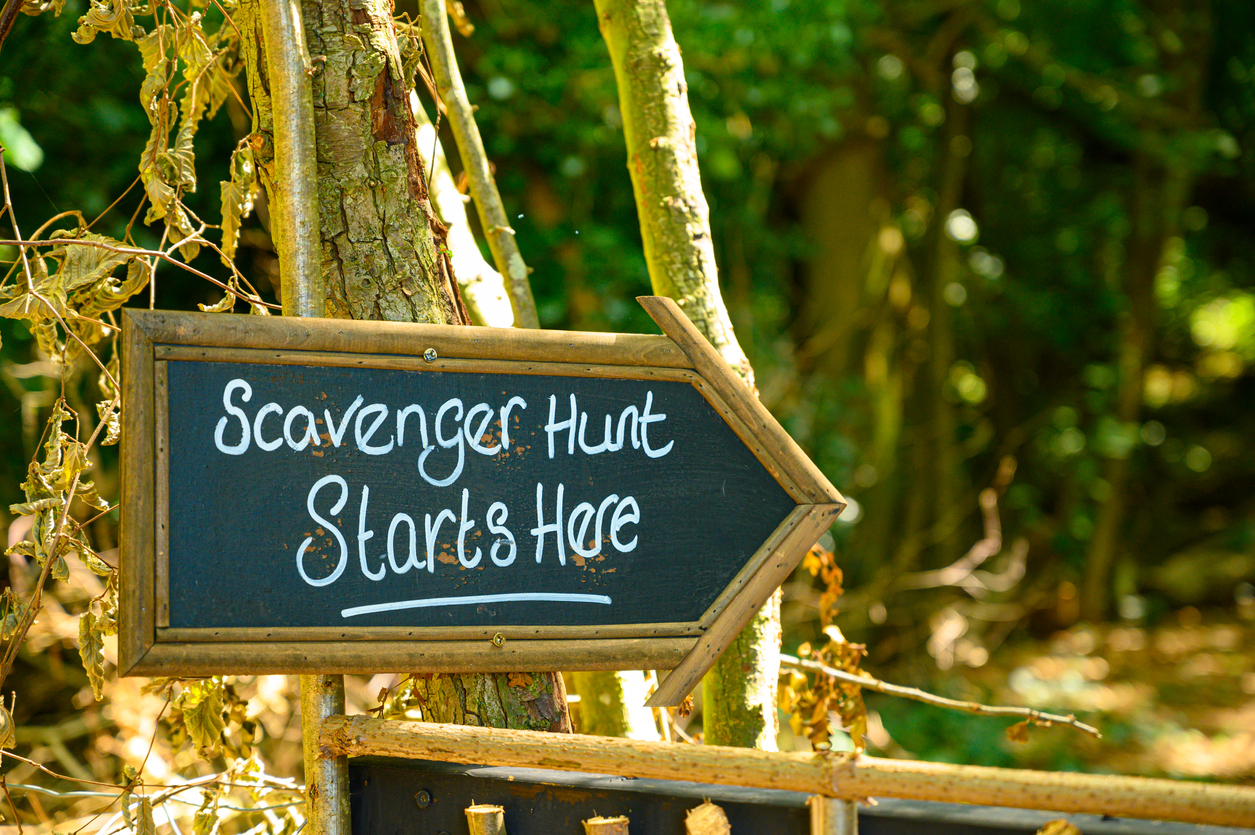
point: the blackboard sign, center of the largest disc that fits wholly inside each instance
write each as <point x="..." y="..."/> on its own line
<point x="307" y="495"/>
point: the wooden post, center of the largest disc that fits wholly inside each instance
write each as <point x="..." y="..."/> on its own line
<point x="830" y="816"/>
<point x="707" y="819"/>
<point x="294" y="207"/>
<point x="326" y="777"/>
<point x="606" y="826"/>
<point x="485" y="819"/>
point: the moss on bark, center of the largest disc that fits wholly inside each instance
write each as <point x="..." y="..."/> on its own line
<point x="660" y="133"/>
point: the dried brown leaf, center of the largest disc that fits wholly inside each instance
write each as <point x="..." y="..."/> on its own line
<point x="1018" y="732"/>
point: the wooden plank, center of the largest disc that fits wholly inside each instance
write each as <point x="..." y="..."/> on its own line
<point x="361" y="736"/>
<point x="449" y="656"/>
<point x="796" y="534"/>
<point x="843" y="776"/>
<point x="830" y="816"/>
<point x="341" y="359"/>
<point x="138" y="464"/>
<point x="813" y="486"/>
<point x="443" y="633"/>
<point x="404" y="339"/>
<point x="161" y="491"/>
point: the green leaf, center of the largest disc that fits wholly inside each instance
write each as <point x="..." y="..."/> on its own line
<point x="30" y="508"/>
<point x="202" y="715"/>
<point x="21" y="304"/>
<point x="91" y="648"/>
<point x="25" y="548"/>
<point x="225" y="305"/>
<point x="153" y="47"/>
<point x="237" y="198"/>
<point x="112" y="419"/>
<point x="206" y="818"/>
<point x="109" y="294"/>
<point x="98" y="566"/>
<point x="106" y="381"/>
<point x="85" y="263"/>
<point x="38" y="7"/>
<point x="155" y="685"/>
<point x="163" y="170"/>
<point x="89" y="496"/>
<point x="112" y="16"/>
<point x="200" y="68"/>
<point x="20" y="148"/>
<point x="145" y="825"/>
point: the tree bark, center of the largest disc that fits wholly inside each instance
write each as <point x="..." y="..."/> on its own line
<point x="933" y="513"/>
<point x="522" y="701"/>
<point x="381" y="241"/>
<point x="660" y="133"/>
<point x="1160" y="193"/>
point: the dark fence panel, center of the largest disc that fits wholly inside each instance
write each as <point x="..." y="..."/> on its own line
<point x="400" y="797"/>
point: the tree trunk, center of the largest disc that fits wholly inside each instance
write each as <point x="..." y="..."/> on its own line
<point x="380" y="238"/>
<point x="613" y="704"/>
<point x="1165" y="169"/>
<point x="857" y="298"/>
<point x="1160" y="193"/>
<point x="383" y="252"/>
<point x="522" y="701"/>
<point x="660" y="133"/>
<point x="933" y="501"/>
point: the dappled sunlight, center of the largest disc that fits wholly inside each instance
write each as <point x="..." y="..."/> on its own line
<point x="1176" y="699"/>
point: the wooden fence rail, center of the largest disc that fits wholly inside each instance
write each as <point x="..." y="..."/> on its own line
<point x="831" y="775"/>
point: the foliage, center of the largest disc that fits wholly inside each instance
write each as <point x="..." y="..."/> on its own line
<point x="824" y="709"/>
<point x="66" y="289"/>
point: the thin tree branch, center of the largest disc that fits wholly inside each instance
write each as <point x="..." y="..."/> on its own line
<point x="1037" y="717"/>
<point x="8" y="207"/>
<point x="125" y="250"/>
<point x="483" y="288"/>
<point x="7" y="18"/>
<point x="33" y="607"/>
<point x="492" y="216"/>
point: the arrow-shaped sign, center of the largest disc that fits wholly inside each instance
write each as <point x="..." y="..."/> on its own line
<point x="305" y="495"/>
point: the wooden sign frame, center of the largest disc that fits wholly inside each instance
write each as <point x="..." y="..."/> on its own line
<point x="149" y="646"/>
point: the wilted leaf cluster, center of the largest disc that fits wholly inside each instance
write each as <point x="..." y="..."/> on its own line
<point x="210" y="715"/>
<point x="816" y="703"/>
<point x="53" y="481"/>
<point x="65" y="288"/>
<point x="821" y="563"/>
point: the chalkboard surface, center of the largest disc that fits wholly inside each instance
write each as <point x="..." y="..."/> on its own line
<point x="317" y="495"/>
<point x="305" y="496"/>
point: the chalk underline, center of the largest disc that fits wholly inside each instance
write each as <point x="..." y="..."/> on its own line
<point x="471" y="600"/>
